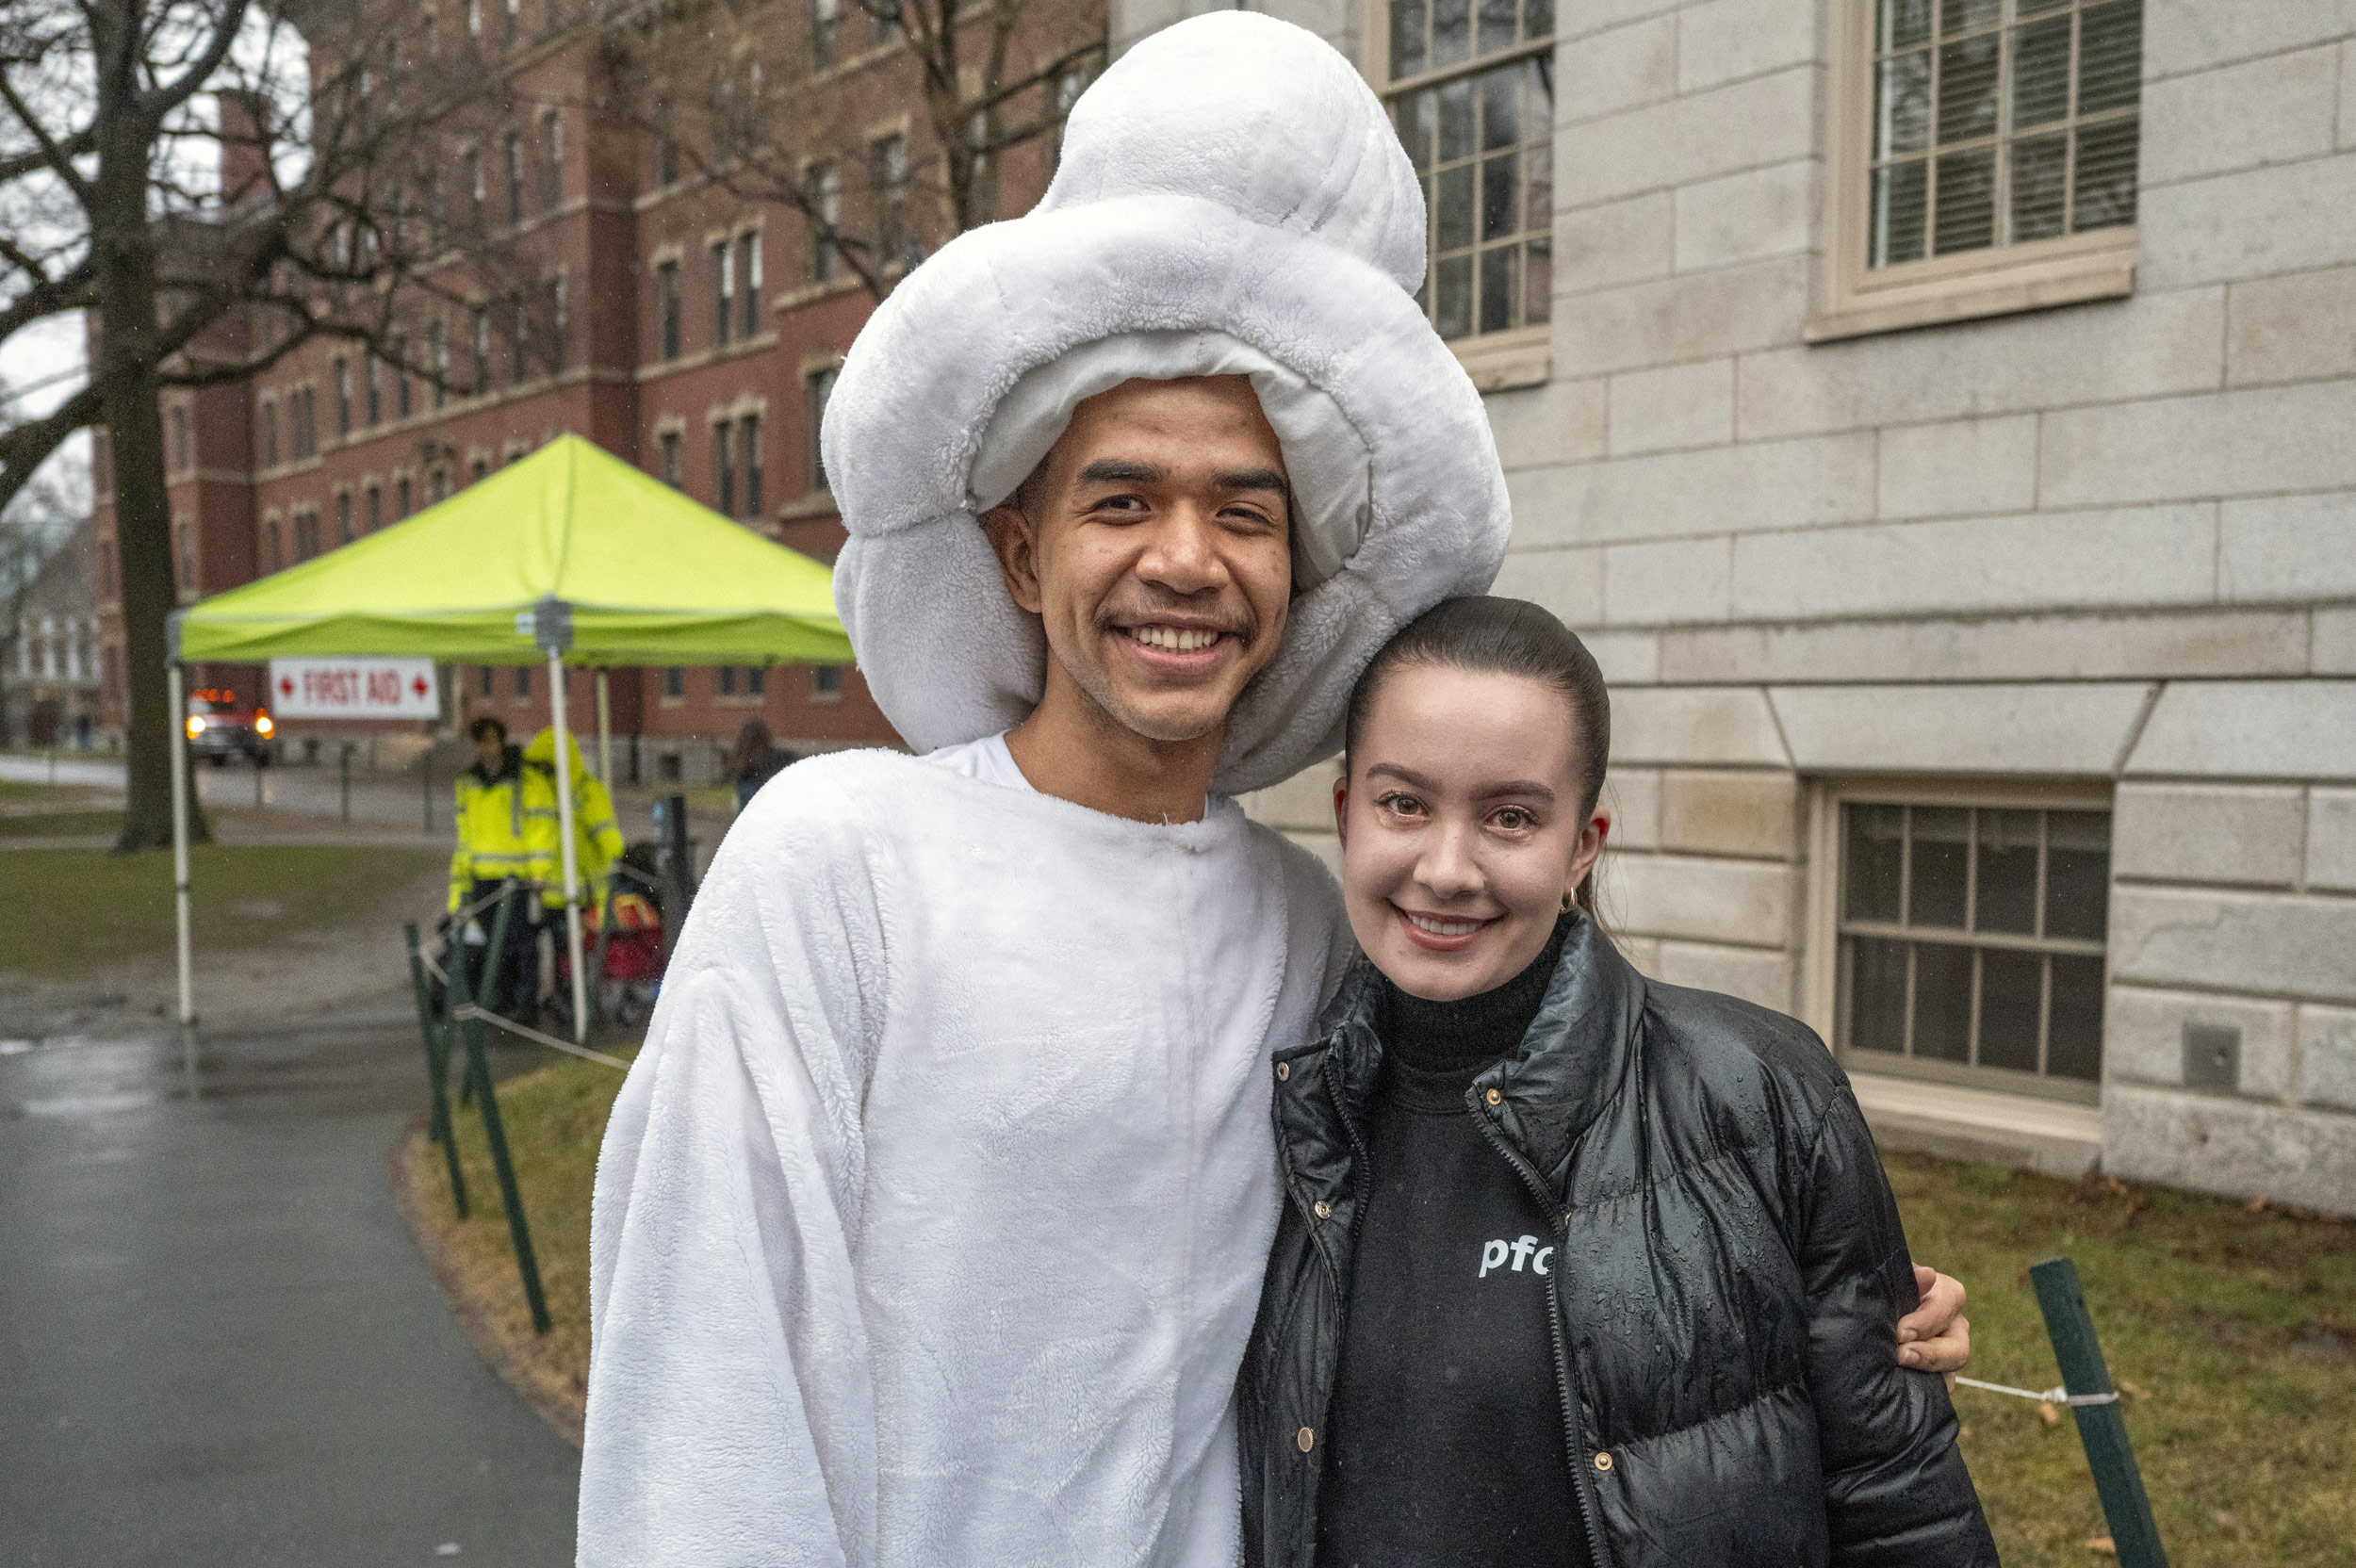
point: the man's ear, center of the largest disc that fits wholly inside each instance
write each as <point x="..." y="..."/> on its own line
<point x="1016" y="546"/>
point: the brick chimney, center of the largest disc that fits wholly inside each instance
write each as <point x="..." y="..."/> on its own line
<point x="244" y="147"/>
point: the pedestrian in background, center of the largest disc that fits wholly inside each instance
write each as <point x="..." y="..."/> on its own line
<point x="756" y="759"/>
<point x="506" y="848"/>
<point x="597" y="837"/>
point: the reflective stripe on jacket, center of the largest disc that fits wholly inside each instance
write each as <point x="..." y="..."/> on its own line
<point x="597" y="837"/>
<point x="1724" y="1308"/>
<point x="505" y="828"/>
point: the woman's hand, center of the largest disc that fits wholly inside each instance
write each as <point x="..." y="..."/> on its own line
<point x="1934" y="1336"/>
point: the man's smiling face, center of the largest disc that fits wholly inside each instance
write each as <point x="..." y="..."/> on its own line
<point x="1154" y="545"/>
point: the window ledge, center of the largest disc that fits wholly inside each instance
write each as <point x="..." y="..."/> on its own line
<point x="1505" y="360"/>
<point x="818" y="504"/>
<point x="1982" y="284"/>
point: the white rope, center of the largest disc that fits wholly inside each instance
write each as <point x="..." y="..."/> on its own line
<point x="2050" y="1396"/>
<point x="470" y="1010"/>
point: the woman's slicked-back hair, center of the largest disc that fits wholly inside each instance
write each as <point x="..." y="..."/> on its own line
<point x="1498" y="636"/>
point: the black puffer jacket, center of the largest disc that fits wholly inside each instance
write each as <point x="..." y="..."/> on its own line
<point x="1733" y="1272"/>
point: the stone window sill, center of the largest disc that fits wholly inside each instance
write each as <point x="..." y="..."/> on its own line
<point x="1978" y="284"/>
<point x="1504" y="360"/>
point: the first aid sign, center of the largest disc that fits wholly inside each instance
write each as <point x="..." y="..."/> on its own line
<point x="354" y="689"/>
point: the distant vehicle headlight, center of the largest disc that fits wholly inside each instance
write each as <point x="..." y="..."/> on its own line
<point x="262" y="725"/>
<point x="196" y="727"/>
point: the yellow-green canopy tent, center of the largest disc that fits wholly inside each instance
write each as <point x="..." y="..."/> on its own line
<point x="646" y="576"/>
<point x="570" y="556"/>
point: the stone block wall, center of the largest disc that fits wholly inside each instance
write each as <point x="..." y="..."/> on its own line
<point x="2112" y="544"/>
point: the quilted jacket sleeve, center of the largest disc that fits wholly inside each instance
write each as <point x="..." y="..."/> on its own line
<point x="1896" y="1490"/>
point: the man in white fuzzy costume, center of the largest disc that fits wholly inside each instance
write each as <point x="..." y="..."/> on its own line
<point x="929" y="1224"/>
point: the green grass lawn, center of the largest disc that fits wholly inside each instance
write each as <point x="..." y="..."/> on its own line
<point x="74" y="910"/>
<point x="2235" y="1331"/>
<point x="2232" y="1332"/>
<point x="60" y="825"/>
<point x="555" y="1118"/>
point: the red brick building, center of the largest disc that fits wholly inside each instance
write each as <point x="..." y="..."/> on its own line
<point x="689" y="331"/>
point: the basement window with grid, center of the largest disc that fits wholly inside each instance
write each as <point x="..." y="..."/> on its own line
<point x="1984" y="157"/>
<point x="1971" y="943"/>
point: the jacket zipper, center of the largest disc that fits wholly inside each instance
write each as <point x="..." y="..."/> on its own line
<point x="1572" y="1447"/>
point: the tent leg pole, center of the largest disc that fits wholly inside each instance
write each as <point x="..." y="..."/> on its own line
<point x="180" y="845"/>
<point x="605" y="732"/>
<point x="557" y="695"/>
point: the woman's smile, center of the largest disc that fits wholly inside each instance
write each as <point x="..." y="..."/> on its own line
<point x="1442" y="933"/>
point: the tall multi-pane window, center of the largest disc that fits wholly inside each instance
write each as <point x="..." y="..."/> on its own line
<point x="437" y="360"/>
<point x="400" y="379"/>
<point x="552" y="162"/>
<point x="1972" y="941"/>
<point x="343" y="517"/>
<point x="749" y="450"/>
<point x="825" y="257"/>
<point x="372" y="388"/>
<point x="665" y="148"/>
<point x="724" y="468"/>
<point x="825" y="21"/>
<point x="888" y="192"/>
<point x="1067" y="92"/>
<point x="820" y="386"/>
<point x="666" y="448"/>
<point x="404" y="498"/>
<point x="273" y="547"/>
<point x="748" y="283"/>
<point x="559" y="325"/>
<point x="478" y="197"/>
<point x="372" y="512"/>
<point x="723" y="292"/>
<point x="515" y="148"/>
<point x="2001" y="122"/>
<point x="343" y="397"/>
<point x="180" y="451"/>
<point x="519" y="341"/>
<point x="270" y="434"/>
<point x="666" y="307"/>
<point x="1472" y="94"/>
<point x="479" y="326"/>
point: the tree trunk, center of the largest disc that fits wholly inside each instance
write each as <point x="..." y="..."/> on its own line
<point x="123" y="243"/>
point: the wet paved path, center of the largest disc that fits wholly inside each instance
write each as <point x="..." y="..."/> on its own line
<point x="217" y="1345"/>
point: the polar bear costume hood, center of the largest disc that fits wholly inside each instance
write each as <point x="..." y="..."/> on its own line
<point x="1232" y="200"/>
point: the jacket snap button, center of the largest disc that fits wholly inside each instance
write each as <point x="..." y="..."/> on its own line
<point x="1306" y="1439"/>
<point x="1284" y="1071"/>
<point x="1325" y="1210"/>
<point x="1495" y="1098"/>
<point x="1603" y="1463"/>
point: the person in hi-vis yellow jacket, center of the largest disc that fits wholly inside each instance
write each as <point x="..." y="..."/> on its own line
<point x="507" y="833"/>
<point x="597" y="837"/>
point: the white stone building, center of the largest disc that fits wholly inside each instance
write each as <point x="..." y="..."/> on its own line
<point x="1939" y="416"/>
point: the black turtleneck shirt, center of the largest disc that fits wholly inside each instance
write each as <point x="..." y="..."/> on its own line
<point x="1445" y="1440"/>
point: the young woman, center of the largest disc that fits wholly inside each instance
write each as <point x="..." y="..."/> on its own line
<point x="1575" y="1267"/>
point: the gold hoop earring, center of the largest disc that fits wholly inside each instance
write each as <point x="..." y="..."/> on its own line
<point x="1568" y="903"/>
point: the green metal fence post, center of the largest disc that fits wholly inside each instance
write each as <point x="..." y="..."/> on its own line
<point x="437" y="1064"/>
<point x="2102" y="1429"/>
<point x="479" y="1070"/>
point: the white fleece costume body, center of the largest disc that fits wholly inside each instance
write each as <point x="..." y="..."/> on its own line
<point x="930" y="1222"/>
<point x="930" y="1233"/>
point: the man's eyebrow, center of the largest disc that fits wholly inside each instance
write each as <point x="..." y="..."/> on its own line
<point x="1252" y="479"/>
<point x="1527" y="788"/>
<point x="1120" y="470"/>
